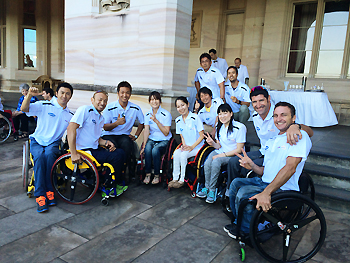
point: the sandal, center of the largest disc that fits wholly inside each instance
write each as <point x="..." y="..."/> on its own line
<point x="155" y="179"/>
<point x="171" y="183"/>
<point x="178" y="184"/>
<point x="24" y="135"/>
<point x="147" y="179"/>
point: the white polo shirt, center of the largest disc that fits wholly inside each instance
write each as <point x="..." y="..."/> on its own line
<point x="229" y="141"/>
<point x="190" y="129"/>
<point x="265" y="129"/>
<point x="276" y="152"/>
<point x="242" y="93"/>
<point x="221" y="64"/>
<point x="52" y="121"/>
<point x="131" y="112"/>
<point x="164" y="117"/>
<point x="210" y="79"/>
<point x="209" y="117"/>
<point x="90" y="123"/>
<point x="242" y="73"/>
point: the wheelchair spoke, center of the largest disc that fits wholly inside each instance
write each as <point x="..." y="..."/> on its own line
<point x="299" y="224"/>
<point x="73" y="183"/>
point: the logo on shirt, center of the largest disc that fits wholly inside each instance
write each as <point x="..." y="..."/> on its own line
<point x="283" y="147"/>
<point x="51" y="114"/>
<point x="115" y="118"/>
<point x="228" y="93"/>
<point x="94" y="121"/>
<point x="266" y="148"/>
<point x="257" y="128"/>
<point x="207" y="119"/>
<point x="181" y="129"/>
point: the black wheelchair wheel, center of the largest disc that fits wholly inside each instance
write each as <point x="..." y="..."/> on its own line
<point x="5" y="128"/>
<point x="277" y="235"/>
<point x="74" y="184"/>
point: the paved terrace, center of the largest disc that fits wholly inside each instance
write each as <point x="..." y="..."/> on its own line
<point x="145" y="224"/>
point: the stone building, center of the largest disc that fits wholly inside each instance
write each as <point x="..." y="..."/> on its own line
<point x="155" y="44"/>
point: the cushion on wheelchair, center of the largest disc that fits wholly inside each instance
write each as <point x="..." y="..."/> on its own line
<point x="83" y="165"/>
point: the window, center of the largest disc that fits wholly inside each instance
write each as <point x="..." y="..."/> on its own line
<point x="325" y="57"/>
<point x="29" y="34"/>
<point x="2" y="33"/>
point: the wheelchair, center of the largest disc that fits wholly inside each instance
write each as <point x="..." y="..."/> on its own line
<point x="6" y="127"/>
<point x="194" y="168"/>
<point x="78" y="183"/>
<point x="165" y="160"/>
<point x="27" y="170"/>
<point x="294" y="216"/>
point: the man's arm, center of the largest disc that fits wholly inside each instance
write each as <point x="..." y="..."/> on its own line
<point x="25" y="104"/>
<point x="222" y="91"/>
<point x="197" y="85"/>
<point x="264" y="198"/>
<point x="138" y="131"/>
<point x="294" y="134"/>
<point x="72" y="138"/>
<point x="111" y="126"/>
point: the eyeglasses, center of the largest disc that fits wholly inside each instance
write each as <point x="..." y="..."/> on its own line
<point x="258" y="88"/>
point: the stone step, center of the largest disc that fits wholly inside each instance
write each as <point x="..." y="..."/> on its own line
<point x="333" y="160"/>
<point x="335" y="177"/>
<point x="333" y="198"/>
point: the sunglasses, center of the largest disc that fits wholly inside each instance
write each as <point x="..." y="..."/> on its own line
<point x="257" y="88"/>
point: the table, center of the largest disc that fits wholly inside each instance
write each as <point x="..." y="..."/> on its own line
<point x="312" y="108"/>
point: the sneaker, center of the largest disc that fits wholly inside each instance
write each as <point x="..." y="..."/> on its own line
<point x="42" y="205"/>
<point x="51" y="201"/>
<point x="120" y="189"/>
<point x="203" y="193"/>
<point x="211" y="197"/>
<point x="231" y="230"/>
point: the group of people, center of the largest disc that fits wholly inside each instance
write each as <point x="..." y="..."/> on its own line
<point x="105" y="131"/>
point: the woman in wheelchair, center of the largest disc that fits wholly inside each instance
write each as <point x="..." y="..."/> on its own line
<point x="190" y="128"/>
<point x="155" y="136"/>
<point x="230" y="138"/>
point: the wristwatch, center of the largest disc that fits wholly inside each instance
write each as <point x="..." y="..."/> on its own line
<point x="136" y="136"/>
<point x="298" y="125"/>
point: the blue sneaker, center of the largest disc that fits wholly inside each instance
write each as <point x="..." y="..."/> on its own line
<point x="42" y="204"/>
<point x="202" y="193"/>
<point x="211" y="197"/>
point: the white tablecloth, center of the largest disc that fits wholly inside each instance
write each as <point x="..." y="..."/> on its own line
<point x="312" y="108"/>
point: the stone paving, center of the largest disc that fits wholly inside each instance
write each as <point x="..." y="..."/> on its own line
<point x="145" y="224"/>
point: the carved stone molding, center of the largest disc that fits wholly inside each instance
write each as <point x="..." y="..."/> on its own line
<point x="114" y="5"/>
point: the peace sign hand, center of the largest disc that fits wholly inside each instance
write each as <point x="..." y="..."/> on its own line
<point x="245" y="161"/>
<point x="208" y="139"/>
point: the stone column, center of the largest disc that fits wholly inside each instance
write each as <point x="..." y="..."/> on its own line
<point x="147" y="45"/>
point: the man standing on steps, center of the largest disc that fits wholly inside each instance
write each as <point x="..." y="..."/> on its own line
<point x="219" y="63"/>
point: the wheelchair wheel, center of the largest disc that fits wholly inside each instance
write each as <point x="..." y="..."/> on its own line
<point x="5" y="128"/>
<point x="25" y="164"/>
<point x="276" y="235"/>
<point x="75" y="184"/>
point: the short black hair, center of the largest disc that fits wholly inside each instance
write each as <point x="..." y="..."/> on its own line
<point x="212" y="50"/>
<point x="257" y="90"/>
<point x="182" y="98"/>
<point x="205" y="90"/>
<point x="49" y="91"/>
<point x="286" y="104"/>
<point x="234" y="67"/>
<point x="238" y="59"/>
<point x="65" y="85"/>
<point x="156" y="96"/>
<point x="205" y="55"/>
<point x="124" y="84"/>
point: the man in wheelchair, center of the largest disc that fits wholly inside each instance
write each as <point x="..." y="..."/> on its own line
<point x="53" y="118"/>
<point x="84" y="133"/>
<point x="282" y="167"/>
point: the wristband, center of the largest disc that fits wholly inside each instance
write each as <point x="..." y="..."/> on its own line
<point x="106" y="143"/>
<point x="298" y="125"/>
<point x="239" y="102"/>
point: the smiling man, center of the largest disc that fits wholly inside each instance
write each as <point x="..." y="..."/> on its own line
<point x="53" y="119"/>
<point x="210" y="77"/>
<point x="84" y="133"/>
<point x="282" y="167"/>
<point x="120" y="117"/>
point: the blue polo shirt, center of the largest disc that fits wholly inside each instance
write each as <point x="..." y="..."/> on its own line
<point x="229" y="140"/>
<point x="164" y="117"/>
<point x="90" y="123"/>
<point x="52" y="121"/>
<point x="242" y="93"/>
<point x="209" y="117"/>
<point x="131" y="112"/>
<point x="210" y="79"/>
<point x="190" y="129"/>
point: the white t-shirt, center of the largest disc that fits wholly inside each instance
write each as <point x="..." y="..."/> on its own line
<point x="242" y="73"/>
<point x="210" y="79"/>
<point x="90" y="127"/>
<point x="190" y="129"/>
<point x="131" y="112"/>
<point x="209" y="117"/>
<point x="242" y="93"/>
<point x="229" y="141"/>
<point x="52" y="121"/>
<point x="265" y="129"/>
<point x="164" y="117"/>
<point x="276" y="152"/>
<point x="221" y="64"/>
